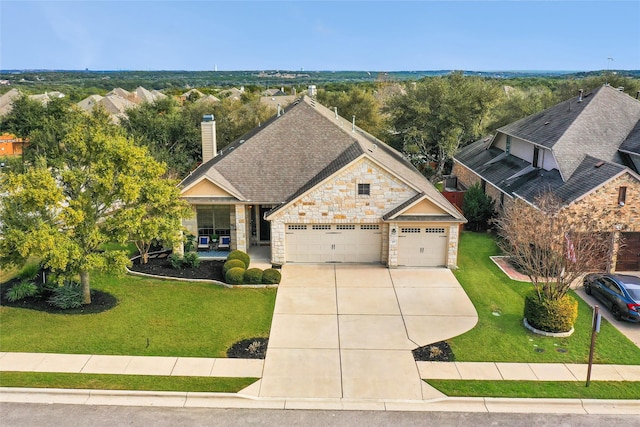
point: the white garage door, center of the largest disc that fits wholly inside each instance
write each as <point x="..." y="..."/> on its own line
<point x="422" y="246"/>
<point x="333" y="243"/>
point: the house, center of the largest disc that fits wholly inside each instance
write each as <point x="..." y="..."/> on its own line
<point x="10" y="145"/>
<point x="273" y="92"/>
<point x="585" y="150"/>
<point x="316" y="188"/>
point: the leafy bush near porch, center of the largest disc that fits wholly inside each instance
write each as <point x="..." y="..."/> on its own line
<point x="253" y="276"/>
<point x="271" y="276"/>
<point x="550" y="315"/>
<point x="235" y="276"/>
<point x="242" y="256"/>
<point x="232" y="263"/>
<point x="191" y="259"/>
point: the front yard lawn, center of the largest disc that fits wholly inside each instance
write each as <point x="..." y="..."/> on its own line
<point x="503" y="338"/>
<point x="152" y="318"/>
<point x="539" y="389"/>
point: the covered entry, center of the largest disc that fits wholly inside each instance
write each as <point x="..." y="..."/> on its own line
<point x="360" y="243"/>
<point x="422" y="246"/>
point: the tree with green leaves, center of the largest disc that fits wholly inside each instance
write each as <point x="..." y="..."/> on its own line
<point x="356" y="102"/>
<point x="439" y="115"/>
<point x="96" y="191"/>
<point x="478" y="208"/>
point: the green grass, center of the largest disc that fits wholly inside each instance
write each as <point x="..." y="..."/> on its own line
<point x="153" y="317"/>
<point x="503" y="338"/>
<point x="539" y="389"/>
<point x="123" y="382"/>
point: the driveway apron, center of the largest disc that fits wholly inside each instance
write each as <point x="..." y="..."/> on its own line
<point x="347" y="331"/>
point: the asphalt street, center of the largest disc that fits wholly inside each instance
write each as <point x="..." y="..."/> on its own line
<point x="35" y="415"/>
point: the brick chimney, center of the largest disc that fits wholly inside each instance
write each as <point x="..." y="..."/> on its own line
<point x="208" y="132"/>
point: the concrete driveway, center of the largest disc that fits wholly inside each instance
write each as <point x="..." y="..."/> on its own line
<point x="347" y="331"/>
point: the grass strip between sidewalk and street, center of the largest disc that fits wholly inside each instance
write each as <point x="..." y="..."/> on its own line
<point x="500" y="335"/>
<point x="123" y="382"/>
<point x="538" y="389"/>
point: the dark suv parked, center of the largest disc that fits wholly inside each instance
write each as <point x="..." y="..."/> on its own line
<point x="620" y="293"/>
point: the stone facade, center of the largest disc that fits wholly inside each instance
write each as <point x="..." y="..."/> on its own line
<point x="466" y="178"/>
<point x="336" y="201"/>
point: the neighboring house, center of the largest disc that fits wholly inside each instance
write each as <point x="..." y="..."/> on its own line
<point x="274" y="101"/>
<point x="585" y="150"/>
<point x="117" y="101"/>
<point x="6" y="100"/>
<point x="234" y="93"/>
<point x="10" y="145"/>
<point x="316" y="188"/>
<point x="274" y="92"/>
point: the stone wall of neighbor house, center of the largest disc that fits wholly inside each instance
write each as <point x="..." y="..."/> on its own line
<point x="603" y="205"/>
<point x="239" y="222"/>
<point x="466" y="177"/>
<point x="337" y="202"/>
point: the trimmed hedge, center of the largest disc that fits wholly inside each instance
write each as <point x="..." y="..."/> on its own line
<point x="253" y="276"/>
<point x="271" y="276"/>
<point x="233" y="263"/>
<point x="242" y="256"/>
<point x="234" y="276"/>
<point x="550" y="315"/>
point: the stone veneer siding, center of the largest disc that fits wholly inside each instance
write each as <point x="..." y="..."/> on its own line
<point x="613" y="218"/>
<point x="336" y="202"/>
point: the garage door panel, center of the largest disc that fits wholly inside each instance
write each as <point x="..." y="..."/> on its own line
<point x="420" y="246"/>
<point x="333" y="243"/>
<point x="629" y="253"/>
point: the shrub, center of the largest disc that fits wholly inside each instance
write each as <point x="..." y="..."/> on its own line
<point x="253" y="276"/>
<point x="191" y="259"/>
<point x="550" y="315"/>
<point x="478" y="208"/>
<point x="22" y="290"/>
<point x="234" y="276"/>
<point x="29" y="272"/>
<point x="190" y="243"/>
<point x="176" y="261"/>
<point x="271" y="276"/>
<point x="231" y="264"/>
<point x="242" y="256"/>
<point x="67" y="296"/>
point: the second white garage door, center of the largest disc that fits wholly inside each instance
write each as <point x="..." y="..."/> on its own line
<point x="333" y="243"/>
<point x="422" y="246"/>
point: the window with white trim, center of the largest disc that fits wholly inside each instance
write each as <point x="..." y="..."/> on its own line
<point x="364" y="189"/>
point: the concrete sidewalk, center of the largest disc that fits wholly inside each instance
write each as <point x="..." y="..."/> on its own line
<point x="253" y="368"/>
<point x="131" y="365"/>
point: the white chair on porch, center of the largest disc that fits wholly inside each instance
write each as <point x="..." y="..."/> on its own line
<point x="225" y="242"/>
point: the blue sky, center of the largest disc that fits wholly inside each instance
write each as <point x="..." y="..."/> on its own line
<point x="320" y="35"/>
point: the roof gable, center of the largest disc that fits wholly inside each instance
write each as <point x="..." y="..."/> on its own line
<point x="205" y="187"/>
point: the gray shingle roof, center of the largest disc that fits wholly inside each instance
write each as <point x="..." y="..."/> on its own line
<point x="579" y="134"/>
<point x="632" y="143"/>
<point x="597" y="125"/>
<point x="287" y="155"/>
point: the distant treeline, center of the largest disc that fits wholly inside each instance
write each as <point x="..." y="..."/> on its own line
<point x="79" y="84"/>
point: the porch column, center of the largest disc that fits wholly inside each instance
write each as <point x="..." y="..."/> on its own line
<point x="191" y="226"/>
<point x="393" y="245"/>
<point x="277" y="243"/>
<point x="240" y="222"/>
<point x="452" y="250"/>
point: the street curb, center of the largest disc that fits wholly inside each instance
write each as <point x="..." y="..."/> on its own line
<point x="232" y="400"/>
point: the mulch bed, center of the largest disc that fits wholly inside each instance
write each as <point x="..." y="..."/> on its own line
<point x="252" y="348"/>
<point x="211" y="270"/>
<point x="100" y="301"/>
<point x="436" y="352"/>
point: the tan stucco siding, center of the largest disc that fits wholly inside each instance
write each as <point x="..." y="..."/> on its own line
<point x="424" y="207"/>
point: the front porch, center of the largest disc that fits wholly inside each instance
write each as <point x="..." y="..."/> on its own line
<point x="260" y="256"/>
